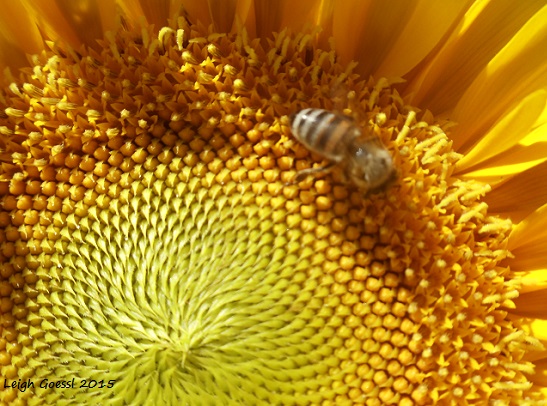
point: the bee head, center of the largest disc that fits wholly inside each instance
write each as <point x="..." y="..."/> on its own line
<point x="371" y="168"/>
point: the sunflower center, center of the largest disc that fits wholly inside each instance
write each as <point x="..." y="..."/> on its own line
<point x="150" y="236"/>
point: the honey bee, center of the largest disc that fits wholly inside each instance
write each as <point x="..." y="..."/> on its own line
<point x="364" y="160"/>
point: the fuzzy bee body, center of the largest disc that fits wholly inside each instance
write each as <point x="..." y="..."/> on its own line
<point x="366" y="162"/>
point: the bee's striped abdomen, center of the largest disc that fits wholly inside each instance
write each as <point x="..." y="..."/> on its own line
<point x="324" y="132"/>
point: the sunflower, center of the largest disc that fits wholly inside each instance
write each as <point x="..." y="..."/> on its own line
<point x="156" y="249"/>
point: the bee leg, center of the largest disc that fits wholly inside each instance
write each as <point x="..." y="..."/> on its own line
<point x="303" y="174"/>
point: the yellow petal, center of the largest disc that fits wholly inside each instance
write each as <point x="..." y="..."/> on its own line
<point x="417" y="37"/>
<point x="75" y="22"/>
<point x="519" y="69"/>
<point x="366" y="30"/>
<point x="519" y="196"/>
<point x="156" y="11"/>
<point x="223" y="13"/>
<point x="18" y="35"/>
<point x="538" y="328"/>
<point x="512" y="128"/>
<point x="533" y="281"/>
<point x="532" y="304"/>
<point x="297" y="16"/>
<point x="486" y="28"/>
<point x="529" y="152"/>
<point x="527" y="242"/>
<point x="540" y="377"/>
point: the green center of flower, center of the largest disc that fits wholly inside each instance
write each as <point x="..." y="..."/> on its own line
<point x="192" y="288"/>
